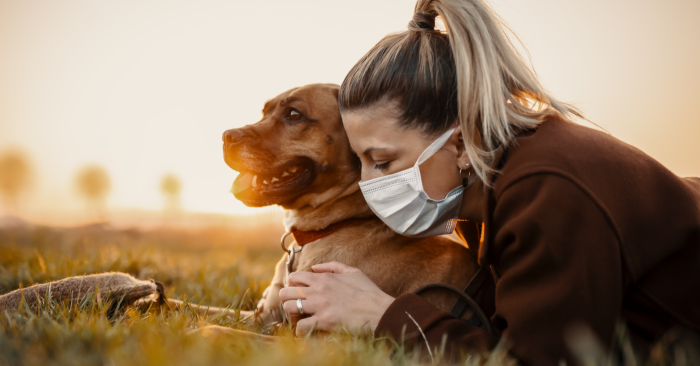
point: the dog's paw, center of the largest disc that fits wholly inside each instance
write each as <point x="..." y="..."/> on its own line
<point x="117" y="286"/>
<point x="138" y="295"/>
<point x="261" y="303"/>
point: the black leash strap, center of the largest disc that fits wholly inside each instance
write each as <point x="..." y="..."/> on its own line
<point x="472" y="288"/>
<point x="466" y="299"/>
<point x="469" y="301"/>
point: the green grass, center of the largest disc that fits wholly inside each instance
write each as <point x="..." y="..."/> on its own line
<point x="211" y="266"/>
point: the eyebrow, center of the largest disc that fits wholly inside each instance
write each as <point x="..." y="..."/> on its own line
<point x="284" y="102"/>
<point x="366" y="152"/>
<point x="289" y="100"/>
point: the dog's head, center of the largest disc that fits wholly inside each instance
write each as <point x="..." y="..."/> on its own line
<point x="298" y="149"/>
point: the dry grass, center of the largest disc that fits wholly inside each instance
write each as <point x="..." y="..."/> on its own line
<point x="209" y="266"/>
<point x="213" y="266"/>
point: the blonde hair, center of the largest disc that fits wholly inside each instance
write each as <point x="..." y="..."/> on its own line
<point x="471" y="73"/>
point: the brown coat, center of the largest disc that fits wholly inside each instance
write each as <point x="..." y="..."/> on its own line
<point x="579" y="227"/>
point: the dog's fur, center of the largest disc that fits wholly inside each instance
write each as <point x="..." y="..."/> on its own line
<point x="327" y="192"/>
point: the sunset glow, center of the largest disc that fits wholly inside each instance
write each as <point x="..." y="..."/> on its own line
<point x="146" y="88"/>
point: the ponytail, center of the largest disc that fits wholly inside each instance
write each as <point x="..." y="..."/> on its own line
<point x="472" y="75"/>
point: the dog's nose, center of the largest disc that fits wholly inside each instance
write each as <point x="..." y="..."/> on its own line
<point x="233" y="136"/>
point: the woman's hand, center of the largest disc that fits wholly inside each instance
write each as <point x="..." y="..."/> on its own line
<point x="337" y="297"/>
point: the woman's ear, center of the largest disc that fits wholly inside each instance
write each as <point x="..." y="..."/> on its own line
<point x="463" y="162"/>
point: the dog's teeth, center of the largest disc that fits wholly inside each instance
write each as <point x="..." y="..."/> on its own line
<point x="285" y="174"/>
<point x="274" y="179"/>
<point x="265" y="182"/>
<point x="255" y="181"/>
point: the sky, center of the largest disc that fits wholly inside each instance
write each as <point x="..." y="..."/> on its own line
<point x="145" y="88"/>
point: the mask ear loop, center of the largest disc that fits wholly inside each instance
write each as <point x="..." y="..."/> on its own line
<point x="429" y="152"/>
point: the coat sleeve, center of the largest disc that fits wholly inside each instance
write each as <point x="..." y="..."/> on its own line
<point x="559" y="264"/>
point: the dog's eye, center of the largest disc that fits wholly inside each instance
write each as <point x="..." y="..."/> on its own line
<point x="293" y="115"/>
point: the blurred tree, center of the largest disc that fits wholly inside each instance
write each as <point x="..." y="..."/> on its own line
<point x="170" y="186"/>
<point x="94" y="184"/>
<point x="14" y="177"/>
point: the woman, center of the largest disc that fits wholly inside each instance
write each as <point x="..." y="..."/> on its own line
<point x="578" y="227"/>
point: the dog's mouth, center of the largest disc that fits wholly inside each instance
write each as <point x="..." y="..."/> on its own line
<point x="277" y="186"/>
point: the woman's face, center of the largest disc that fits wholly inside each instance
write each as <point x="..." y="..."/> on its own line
<point x="384" y="148"/>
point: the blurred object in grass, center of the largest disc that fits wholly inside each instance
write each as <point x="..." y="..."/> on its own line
<point x="126" y="288"/>
<point x="15" y="174"/>
<point x="93" y="184"/>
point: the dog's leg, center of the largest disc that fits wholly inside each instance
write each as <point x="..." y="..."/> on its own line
<point x="269" y="308"/>
<point x="210" y="310"/>
<point x="120" y="287"/>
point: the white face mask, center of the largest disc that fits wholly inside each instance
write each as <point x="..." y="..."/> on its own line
<point x="401" y="202"/>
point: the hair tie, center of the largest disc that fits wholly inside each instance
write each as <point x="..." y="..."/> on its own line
<point x="422" y="21"/>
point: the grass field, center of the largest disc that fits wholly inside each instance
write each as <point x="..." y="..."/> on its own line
<point x="212" y="266"/>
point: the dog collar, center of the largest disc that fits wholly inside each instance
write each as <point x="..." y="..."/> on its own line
<point x="305" y="237"/>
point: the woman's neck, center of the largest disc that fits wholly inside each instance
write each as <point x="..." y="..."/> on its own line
<point x="473" y="202"/>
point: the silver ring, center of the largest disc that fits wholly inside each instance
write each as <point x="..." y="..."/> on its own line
<point x="299" y="307"/>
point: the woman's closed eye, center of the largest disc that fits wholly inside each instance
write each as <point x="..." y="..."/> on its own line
<point x="382" y="166"/>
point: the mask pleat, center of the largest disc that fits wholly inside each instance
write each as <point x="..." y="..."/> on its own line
<point x="388" y="202"/>
<point x="406" y="217"/>
<point x="427" y="218"/>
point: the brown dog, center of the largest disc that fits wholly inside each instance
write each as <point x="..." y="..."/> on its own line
<point x="298" y="157"/>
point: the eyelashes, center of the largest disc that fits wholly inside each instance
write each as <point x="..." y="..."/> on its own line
<point x="377" y="166"/>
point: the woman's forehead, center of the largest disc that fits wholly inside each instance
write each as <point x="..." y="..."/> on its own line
<point x="378" y="112"/>
<point x="370" y="122"/>
<point x="372" y="129"/>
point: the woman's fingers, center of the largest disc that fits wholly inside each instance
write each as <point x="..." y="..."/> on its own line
<point x="293" y="293"/>
<point x="290" y="307"/>
<point x="302" y="278"/>
<point x="337" y="295"/>
<point x="307" y="279"/>
<point x="334" y="267"/>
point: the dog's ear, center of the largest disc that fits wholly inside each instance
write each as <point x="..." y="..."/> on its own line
<point x="335" y="89"/>
<point x="335" y="92"/>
